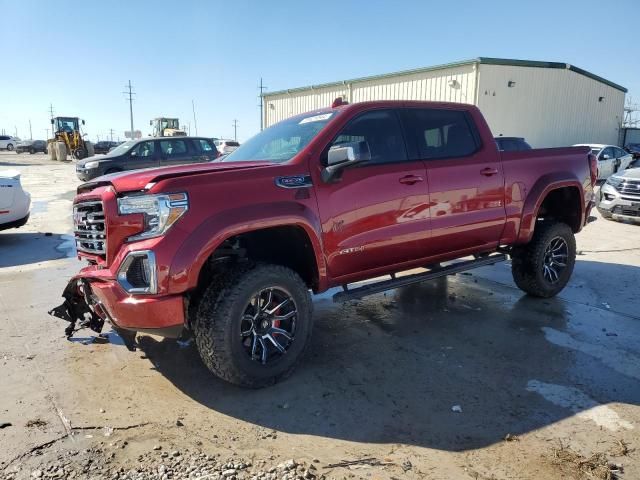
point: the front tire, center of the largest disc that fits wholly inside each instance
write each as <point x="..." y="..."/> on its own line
<point x="10" y="147"/>
<point x="543" y="267"/>
<point x="253" y="323"/>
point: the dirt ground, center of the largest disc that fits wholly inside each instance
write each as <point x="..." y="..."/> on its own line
<point x="462" y="378"/>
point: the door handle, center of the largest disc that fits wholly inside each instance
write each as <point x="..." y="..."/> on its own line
<point x="410" y="179"/>
<point x="487" y="172"/>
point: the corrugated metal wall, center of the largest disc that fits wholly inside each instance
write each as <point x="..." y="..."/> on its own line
<point x="427" y="85"/>
<point x="549" y="107"/>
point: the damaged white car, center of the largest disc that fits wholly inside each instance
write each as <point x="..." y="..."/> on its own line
<point x="14" y="201"/>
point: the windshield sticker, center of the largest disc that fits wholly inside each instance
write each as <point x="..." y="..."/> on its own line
<point x="315" y="118"/>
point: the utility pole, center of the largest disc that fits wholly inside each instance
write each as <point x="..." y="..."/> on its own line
<point x="262" y="88"/>
<point x="51" y="110"/>
<point x="30" y="132"/>
<point x="111" y="133"/>
<point x="16" y="130"/>
<point x="235" y="130"/>
<point x="130" y="93"/>
<point x="47" y="133"/>
<point x="195" y="123"/>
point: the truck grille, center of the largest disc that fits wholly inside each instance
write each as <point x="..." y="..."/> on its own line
<point x="89" y="228"/>
<point x="630" y="187"/>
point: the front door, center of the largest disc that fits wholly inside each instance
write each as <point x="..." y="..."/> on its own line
<point x="466" y="184"/>
<point x="376" y="215"/>
<point x="606" y="163"/>
<point x="142" y="155"/>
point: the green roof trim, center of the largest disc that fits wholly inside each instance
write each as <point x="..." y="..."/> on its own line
<point x="479" y="60"/>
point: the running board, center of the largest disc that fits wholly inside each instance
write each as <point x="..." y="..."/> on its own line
<point x="395" y="282"/>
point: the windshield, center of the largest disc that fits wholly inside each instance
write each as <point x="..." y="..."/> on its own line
<point x="282" y="141"/>
<point x="123" y="147"/>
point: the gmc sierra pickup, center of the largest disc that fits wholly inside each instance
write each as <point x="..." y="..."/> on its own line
<point x="228" y="252"/>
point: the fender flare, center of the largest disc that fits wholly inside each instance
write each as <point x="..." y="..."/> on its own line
<point x="538" y="193"/>
<point x="202" y="242"/>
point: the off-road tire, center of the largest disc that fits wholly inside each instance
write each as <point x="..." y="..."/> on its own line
<point x="527" y="261"/>
<point x="216" y="326"/>
<point x="10" y="147"/>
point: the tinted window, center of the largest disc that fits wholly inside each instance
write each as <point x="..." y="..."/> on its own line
<point x="620" y="153"/>
<point x="232" y="144"/>
<point x="173" y="147"/>
<point x="607" y="151"/>
<point x="440" y="133"/>
<point x="2" y="137"/>
<point x="143" y="149"/>
<point x="205" y="145"/>
<point x="381" y="130"/>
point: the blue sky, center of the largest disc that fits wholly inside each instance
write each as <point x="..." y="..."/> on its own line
<point x="80" y="57"/>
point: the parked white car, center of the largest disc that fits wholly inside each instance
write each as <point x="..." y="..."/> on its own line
<point x="611" y="159"/>
<point x="226" y="146"/>
<point x="14" y="201"/>
<point x="8" y="142"/>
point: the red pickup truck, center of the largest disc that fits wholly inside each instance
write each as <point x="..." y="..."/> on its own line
<point x="229" y="251"/>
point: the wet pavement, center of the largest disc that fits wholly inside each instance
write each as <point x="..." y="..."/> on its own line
<point x="381" y="378"/>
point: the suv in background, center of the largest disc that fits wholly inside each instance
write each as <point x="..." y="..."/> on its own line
<point x="512" y="144"/>
<point x="32" y="146"/>
<point x="7" y="142"/>
<point x="148" y="153"/>
<point x="619" y="197"/>
<point x="104" y="146"/>
<point x="226" y="146"/>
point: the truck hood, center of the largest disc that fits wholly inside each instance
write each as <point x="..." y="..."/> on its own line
<point x="137" y="180"/>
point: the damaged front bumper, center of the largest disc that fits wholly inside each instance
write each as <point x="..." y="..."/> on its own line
<point x="92" y="297"/>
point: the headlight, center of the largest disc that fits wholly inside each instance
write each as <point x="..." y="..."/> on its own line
<point x="614" y="181"/>
<point x="90" y="165"/>
<point x="160" y="211"/>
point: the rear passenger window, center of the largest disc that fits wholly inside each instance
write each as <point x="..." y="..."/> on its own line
<point x="173" y="147"/>
<point x="381" y="130"/>
<point x="440" y="133"/>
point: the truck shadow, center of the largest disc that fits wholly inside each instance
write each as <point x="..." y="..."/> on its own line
<point x="390" y="368"/>
<point x="23" y="248"/>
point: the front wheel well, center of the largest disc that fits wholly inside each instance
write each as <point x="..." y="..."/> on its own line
<point x="562" y="204"/>
<point x="289" y="246"/>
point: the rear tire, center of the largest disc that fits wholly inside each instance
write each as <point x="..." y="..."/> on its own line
<point x="220" y="327"/>
<point x="543" y="267"/>
<point x="10" y="147"/>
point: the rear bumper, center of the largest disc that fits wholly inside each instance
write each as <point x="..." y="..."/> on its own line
<point x="15" y="224"/>
<point x="91" y="299"/>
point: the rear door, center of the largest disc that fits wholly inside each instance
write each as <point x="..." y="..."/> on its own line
<point x="466" y="184"/>
<point x="376" y="215"/>
<point x="174" y="151"/>
<point x="623" y="159"/>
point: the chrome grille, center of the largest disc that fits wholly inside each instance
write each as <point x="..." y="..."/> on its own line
<point x="89" y="228"/>
<point x="630" y="187"/>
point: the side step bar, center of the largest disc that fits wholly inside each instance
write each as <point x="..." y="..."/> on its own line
<point x="395" y="282"/>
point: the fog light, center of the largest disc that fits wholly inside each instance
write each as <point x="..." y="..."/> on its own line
<point x="137" y="274"/>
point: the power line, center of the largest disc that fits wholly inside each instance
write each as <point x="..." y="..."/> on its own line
<point x="262" y="88"/>
<point x="235" y="130"/>
<point x="130" y="93"/>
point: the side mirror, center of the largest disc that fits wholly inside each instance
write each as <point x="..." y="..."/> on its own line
<point x="133" y="153"/>
<point x="52" y="121"/>
<point x="343" y="156"/>
<point x="82" y="122"/>
<point x="605" y="157"/>
<point x="151" y="122"/>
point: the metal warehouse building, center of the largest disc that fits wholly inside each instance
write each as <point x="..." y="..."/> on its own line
<point x="550" y="104"/>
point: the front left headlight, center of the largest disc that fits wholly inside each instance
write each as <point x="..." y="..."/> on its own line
<point x="90" y="165"/>
<point x="160" y="212"/>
